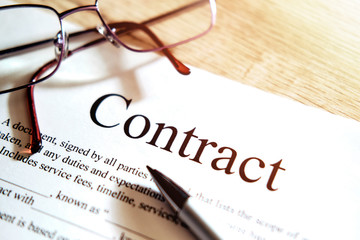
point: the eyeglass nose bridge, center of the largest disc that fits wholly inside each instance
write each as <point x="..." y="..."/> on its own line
<point x="61" y="43"/>
<point x="103" y="31"/>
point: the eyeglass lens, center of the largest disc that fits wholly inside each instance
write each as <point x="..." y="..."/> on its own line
<point x="36" y="24"/>
<point x="171" y="21"/>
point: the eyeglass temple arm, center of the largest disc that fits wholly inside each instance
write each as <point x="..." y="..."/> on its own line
<point x="130" y="26"/>
<point x="126" y="28"/>
<point x="35" y="141"/>
<point x="14" y="50"/>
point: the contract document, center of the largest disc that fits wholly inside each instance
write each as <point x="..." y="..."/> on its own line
<point x="261" y="166"/>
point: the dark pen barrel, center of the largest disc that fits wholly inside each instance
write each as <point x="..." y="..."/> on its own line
<point x="185" y="205"/>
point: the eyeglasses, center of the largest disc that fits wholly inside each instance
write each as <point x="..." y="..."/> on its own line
<point x="30" y="43"/>
<point x="29" y="46"/>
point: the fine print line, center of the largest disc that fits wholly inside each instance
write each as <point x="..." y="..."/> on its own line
<point x="71" y="223"/>
<point x="129" y="230"/>
<point x="24" y="188"/>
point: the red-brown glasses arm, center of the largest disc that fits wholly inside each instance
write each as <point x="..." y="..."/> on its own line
<point x="131" y="26"/>
<point x="35" y="141"/>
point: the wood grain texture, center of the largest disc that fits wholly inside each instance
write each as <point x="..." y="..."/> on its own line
<point x="307" y="50"/>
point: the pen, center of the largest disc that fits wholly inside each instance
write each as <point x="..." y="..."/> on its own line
<point x="182" y="203"/>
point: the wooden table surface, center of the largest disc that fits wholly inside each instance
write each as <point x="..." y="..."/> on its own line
<point x="307" y="50"/>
